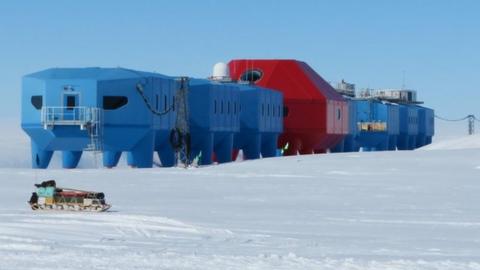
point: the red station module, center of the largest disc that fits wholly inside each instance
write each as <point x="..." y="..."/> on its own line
<point x="315" y="115"/>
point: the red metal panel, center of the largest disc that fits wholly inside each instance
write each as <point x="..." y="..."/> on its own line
<point x="317" y="116"/>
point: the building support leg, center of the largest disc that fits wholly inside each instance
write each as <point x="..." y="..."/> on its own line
<point x="269" y="145"/>
<point x="252" y="148"/>
<point x="141" y="156"/>
<point x="40" y="158"/>
<point x="70" y="159"/>
<point x="224" y="148"/>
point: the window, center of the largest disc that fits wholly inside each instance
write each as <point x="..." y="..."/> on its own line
<point x="173" y="103"/>
<point x="156" y="102"/>
<point x="252" y="75"/>
<point x="114" y="102"/>
<point x="215" y="106"/>
<point x="339" y="114"/>
<point x="285" y="111"/>
<point x="165" y="102"/>
<point x="263" y="109"/>
<point x="37" y="102"/>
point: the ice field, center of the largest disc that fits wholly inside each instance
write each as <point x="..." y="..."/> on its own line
<point x="381" y="210"/>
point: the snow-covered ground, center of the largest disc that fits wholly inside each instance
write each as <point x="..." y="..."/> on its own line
<point x="384" y="210"/>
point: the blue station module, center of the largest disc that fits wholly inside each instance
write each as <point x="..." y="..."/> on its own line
<point x="214" y="119"/>
<point x="261" y="121"/>
<point x="102" y="109"/>
<point x="377" y="125"/>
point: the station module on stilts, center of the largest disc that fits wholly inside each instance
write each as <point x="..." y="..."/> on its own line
<point x="261" y="107"/>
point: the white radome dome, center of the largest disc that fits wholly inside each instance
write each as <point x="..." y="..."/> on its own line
<point x="221" y="72"/>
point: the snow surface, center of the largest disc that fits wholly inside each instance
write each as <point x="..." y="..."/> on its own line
<point x="463" y="142"/>
<point x="383" y="210"/>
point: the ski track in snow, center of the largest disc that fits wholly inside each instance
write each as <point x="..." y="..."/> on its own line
<point x="391" y="210"/>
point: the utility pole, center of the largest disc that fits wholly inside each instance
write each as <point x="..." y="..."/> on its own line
<point x="471" y="124"/>
<point x="181" y="123"/>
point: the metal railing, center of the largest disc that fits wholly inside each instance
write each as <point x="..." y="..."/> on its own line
<point x="70" y="115"/>
<point x="87" y="118"/>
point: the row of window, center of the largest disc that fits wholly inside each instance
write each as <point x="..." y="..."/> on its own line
<point x="165" y="103"/>
<point x="412" y="120"/>
<point x="115" y="102"/>
<point x="275" y="110"/>
<point x="231" y="107"/>
<point x="226" y="109"/>
<point x="109" y="102"/>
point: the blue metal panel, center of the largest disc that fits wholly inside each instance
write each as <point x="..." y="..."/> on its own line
<point x="409" y="127"/>
<point x="393" y="125"/>
<point x="429" y="122"/>
<point x="421" y="127"/>
<point x="413" y="120"/>
<point x="430" y="125"/>
<point x="403" y="137"/>
<point x="204" y="108"/>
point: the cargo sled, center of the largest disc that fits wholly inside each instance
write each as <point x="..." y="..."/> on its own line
<point x="50" y="197"/>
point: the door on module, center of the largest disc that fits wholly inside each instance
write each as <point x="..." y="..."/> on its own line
<point x="70" y="104"/>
